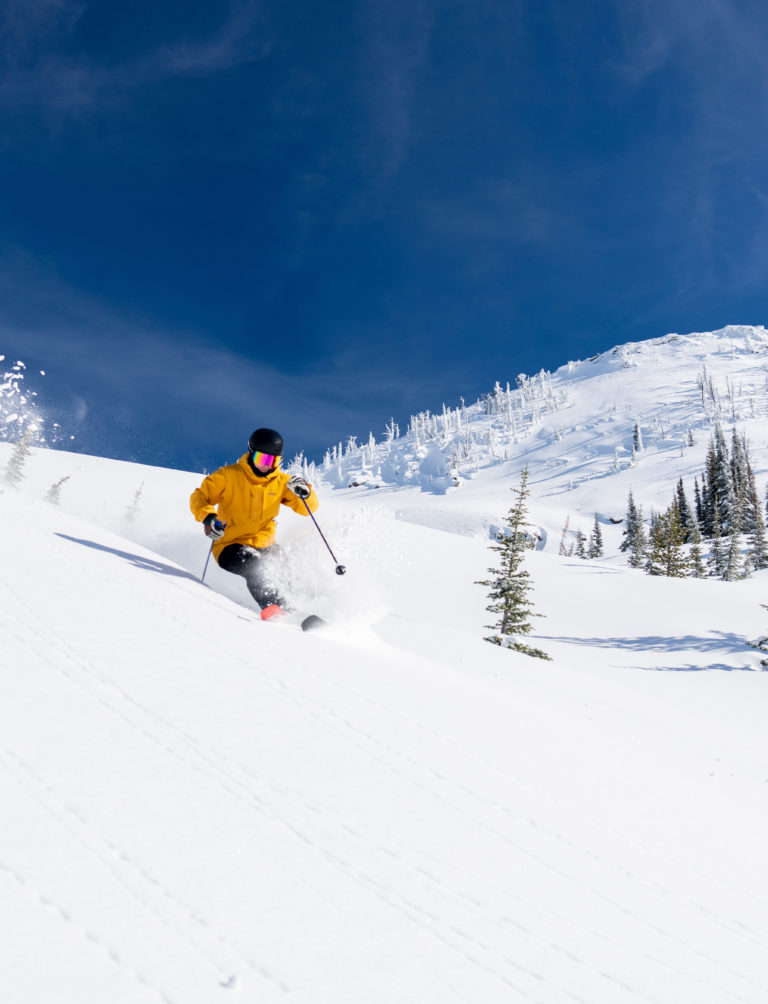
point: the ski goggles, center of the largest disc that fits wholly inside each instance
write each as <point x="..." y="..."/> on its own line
<point x="266" y="459"/>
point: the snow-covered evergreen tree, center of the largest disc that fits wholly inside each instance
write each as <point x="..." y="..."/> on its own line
<point x="752" y="511"/>
<point x="564" y="552"/>
<point x="695" y="558"/>
<point x="723" y="487"/>
<point x="685" y="513"/>
<point x="133" y="509"/>
<point x="581" y="544"/>
<point x="630" y="524"/>
<point x="697" y="503"/>
<point x="739" y="470"/>
<point x="757" y="542"/>
<point x="718" y="486"/>
<point x="708" y="480"/>
<point x="14" y="471"/>
<point x="510" y="585"/>
<point x="637" y="438"/>
<point x="596" y="548"/>
<point x="53" y="495"/>
<point x="665" y="553"/>
<point x="746" y="566"/>
<point x="635" y="542"/>
<point x="733" y="567"/>
<point x="638" y="550"/>
<point x="717" y="556"/>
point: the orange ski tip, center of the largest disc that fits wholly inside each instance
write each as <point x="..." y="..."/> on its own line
<point x="272" y="611"/>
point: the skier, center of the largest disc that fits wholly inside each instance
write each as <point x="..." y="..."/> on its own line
<point x="237" y="506"/>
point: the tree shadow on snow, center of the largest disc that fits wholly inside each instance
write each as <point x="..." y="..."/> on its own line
<point x="717" y="641"/>
<point x="149" y="564"/>
<point x="718" y="667"/>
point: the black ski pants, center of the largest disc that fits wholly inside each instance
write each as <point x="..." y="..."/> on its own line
<point x="254" y="566"/>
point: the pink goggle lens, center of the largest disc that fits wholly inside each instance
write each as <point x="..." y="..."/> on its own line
<point x="266" y="459"/>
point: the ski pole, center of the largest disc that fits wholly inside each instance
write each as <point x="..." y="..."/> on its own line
<point x="340" y="569"/>
<point x="210" y="552"/>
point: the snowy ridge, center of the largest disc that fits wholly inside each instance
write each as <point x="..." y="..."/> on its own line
<point x="577" y="423"/>
<point x="200" y="807"/>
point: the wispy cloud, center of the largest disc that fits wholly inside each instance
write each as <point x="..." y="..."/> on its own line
<point x="242" y="38"/>
<point x="699" y="37"/>
<point x="709" y="60"/>
<point x="120" y="384"/>
<point x="395" y="48"/>
<point x="27" y="24"/>
<point x="498" y="216"/>
<point x="38" y="74"/>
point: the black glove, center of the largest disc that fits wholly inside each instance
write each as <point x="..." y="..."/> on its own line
<point x="299" y="487"/>
<point x="213" y="526"/>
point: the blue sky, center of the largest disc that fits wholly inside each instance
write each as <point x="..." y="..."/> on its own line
<point x="316" y="216"/>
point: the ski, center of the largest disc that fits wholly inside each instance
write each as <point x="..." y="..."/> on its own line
<point x="276" y="615"/>
<point x="312" y="622"/>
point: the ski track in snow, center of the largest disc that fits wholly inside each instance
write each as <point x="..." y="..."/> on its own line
<point x="72" y="820"/>
<point x="93" y="939"/>
<point x="129" y="875"/>
<point x="407" y="770"/>
<point x="347" y="730"/>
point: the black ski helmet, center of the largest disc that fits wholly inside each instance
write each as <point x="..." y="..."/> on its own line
<point x="266" y="441"/>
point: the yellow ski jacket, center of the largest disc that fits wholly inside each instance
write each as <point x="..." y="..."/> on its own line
<point x="246" y="503"/>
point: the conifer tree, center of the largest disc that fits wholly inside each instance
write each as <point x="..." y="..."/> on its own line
<point x="697" y="502"/>
<point x="752" y="513"/>
<point x="747" y="566"/>
<point x="53" y="495"/>
<point x="637" y="438"/>
<point x="510" y="586"/>
<point x="630" y="524"/>
<point x="563" y="540"/>
<point x="676" y="510"/>
<point x="581" y="544"/>
<point x="758" y="544"/>
<point x="708" y="481"/>
<point x="723" y="488"/>
<point x="639" y="546"/>
<point x="739" y="473"/>
<point x="665" y="554"/>
<point x="14" y="471"/>
<point x="733" y="567"/>
<point x="723" y="474"/>
<point x="133" y="509"/>
<point x="685" y="514"/>
<point x="596" y="548"/>
<point x="732" y="563"/>
<point x="696" y="562"/>
<point x="717" y="555"/>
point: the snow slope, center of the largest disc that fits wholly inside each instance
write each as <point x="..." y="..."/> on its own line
<point x="197" y="806"/>
<point x="574" y="430"/>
